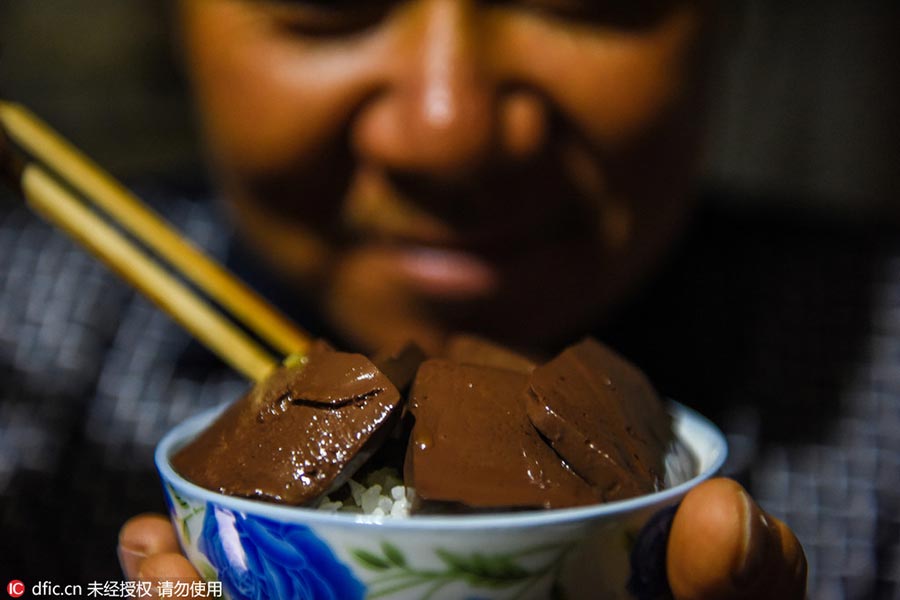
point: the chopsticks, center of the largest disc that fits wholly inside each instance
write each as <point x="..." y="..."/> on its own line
<point x="58" y="205"/>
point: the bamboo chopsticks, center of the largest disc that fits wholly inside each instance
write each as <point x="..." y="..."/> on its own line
<point x="64" y="209"/>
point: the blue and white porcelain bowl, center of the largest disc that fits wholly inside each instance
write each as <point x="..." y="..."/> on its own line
<point x="259" y="550"/>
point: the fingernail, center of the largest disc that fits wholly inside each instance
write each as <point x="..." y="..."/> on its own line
<point x="130" y="559"/>
<point x="753" y="543"/>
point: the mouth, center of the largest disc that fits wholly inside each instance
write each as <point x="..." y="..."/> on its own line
<point x="440" y="272"/>
<point x="472" y="265"/>
<point x="464" y="244"/>
<point x="475" y="269"/>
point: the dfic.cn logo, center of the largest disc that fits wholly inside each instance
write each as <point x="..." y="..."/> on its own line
<point x="15" y="588"/>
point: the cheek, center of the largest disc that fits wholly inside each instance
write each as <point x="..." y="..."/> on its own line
<point x="628" y="102"/>
<point x="269" y="103"/>
<point x="612" y="85"/>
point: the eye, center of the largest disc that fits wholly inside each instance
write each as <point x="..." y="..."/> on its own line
<point x="625" y="14"/>
<point x="325" y="17"/>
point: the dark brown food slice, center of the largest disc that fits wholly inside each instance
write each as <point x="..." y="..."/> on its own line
<point x="603" y="417"/>
<point x="473" y="350"/>
<point x="400" y="363"/>
<point x="472" y="443"/>
<point x="297" y="435"/>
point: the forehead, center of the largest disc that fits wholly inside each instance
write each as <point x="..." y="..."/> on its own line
<point x="633" y="14"/>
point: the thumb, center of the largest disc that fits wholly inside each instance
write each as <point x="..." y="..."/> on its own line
<point x="724" y="546"/>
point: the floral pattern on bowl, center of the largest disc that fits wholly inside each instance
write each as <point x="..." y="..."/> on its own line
<point x="503" y="571"/>
<point x="258" y="558"/>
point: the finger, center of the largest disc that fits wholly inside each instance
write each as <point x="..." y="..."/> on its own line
<point x="707" y="541"/>
<point x="143" y="536"/>
<point x="793" y="583"/>
<point x="165" y="570"/>
<point x="723" y="546"/>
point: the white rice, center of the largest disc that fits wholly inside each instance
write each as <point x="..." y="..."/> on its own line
<point x="381" y="493"/>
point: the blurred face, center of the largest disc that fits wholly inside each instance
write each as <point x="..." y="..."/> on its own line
<point x="420" y="166"/>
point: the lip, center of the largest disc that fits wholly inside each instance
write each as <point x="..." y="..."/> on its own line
<point x="441" y="271"/>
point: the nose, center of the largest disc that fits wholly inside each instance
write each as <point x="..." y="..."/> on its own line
<point x="443" y="110"/>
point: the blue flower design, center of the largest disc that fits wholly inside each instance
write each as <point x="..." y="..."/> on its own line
<point x="259" y="559"/>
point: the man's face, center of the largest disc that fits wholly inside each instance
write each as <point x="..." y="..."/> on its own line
<point x="508" y="166"/>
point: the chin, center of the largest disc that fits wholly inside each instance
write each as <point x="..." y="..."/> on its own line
<point x="369" y="315"/>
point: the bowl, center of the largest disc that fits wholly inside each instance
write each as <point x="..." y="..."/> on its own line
<point x="259" y="550"/>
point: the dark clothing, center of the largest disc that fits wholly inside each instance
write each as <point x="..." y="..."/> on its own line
<point x="785" y="332"/>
